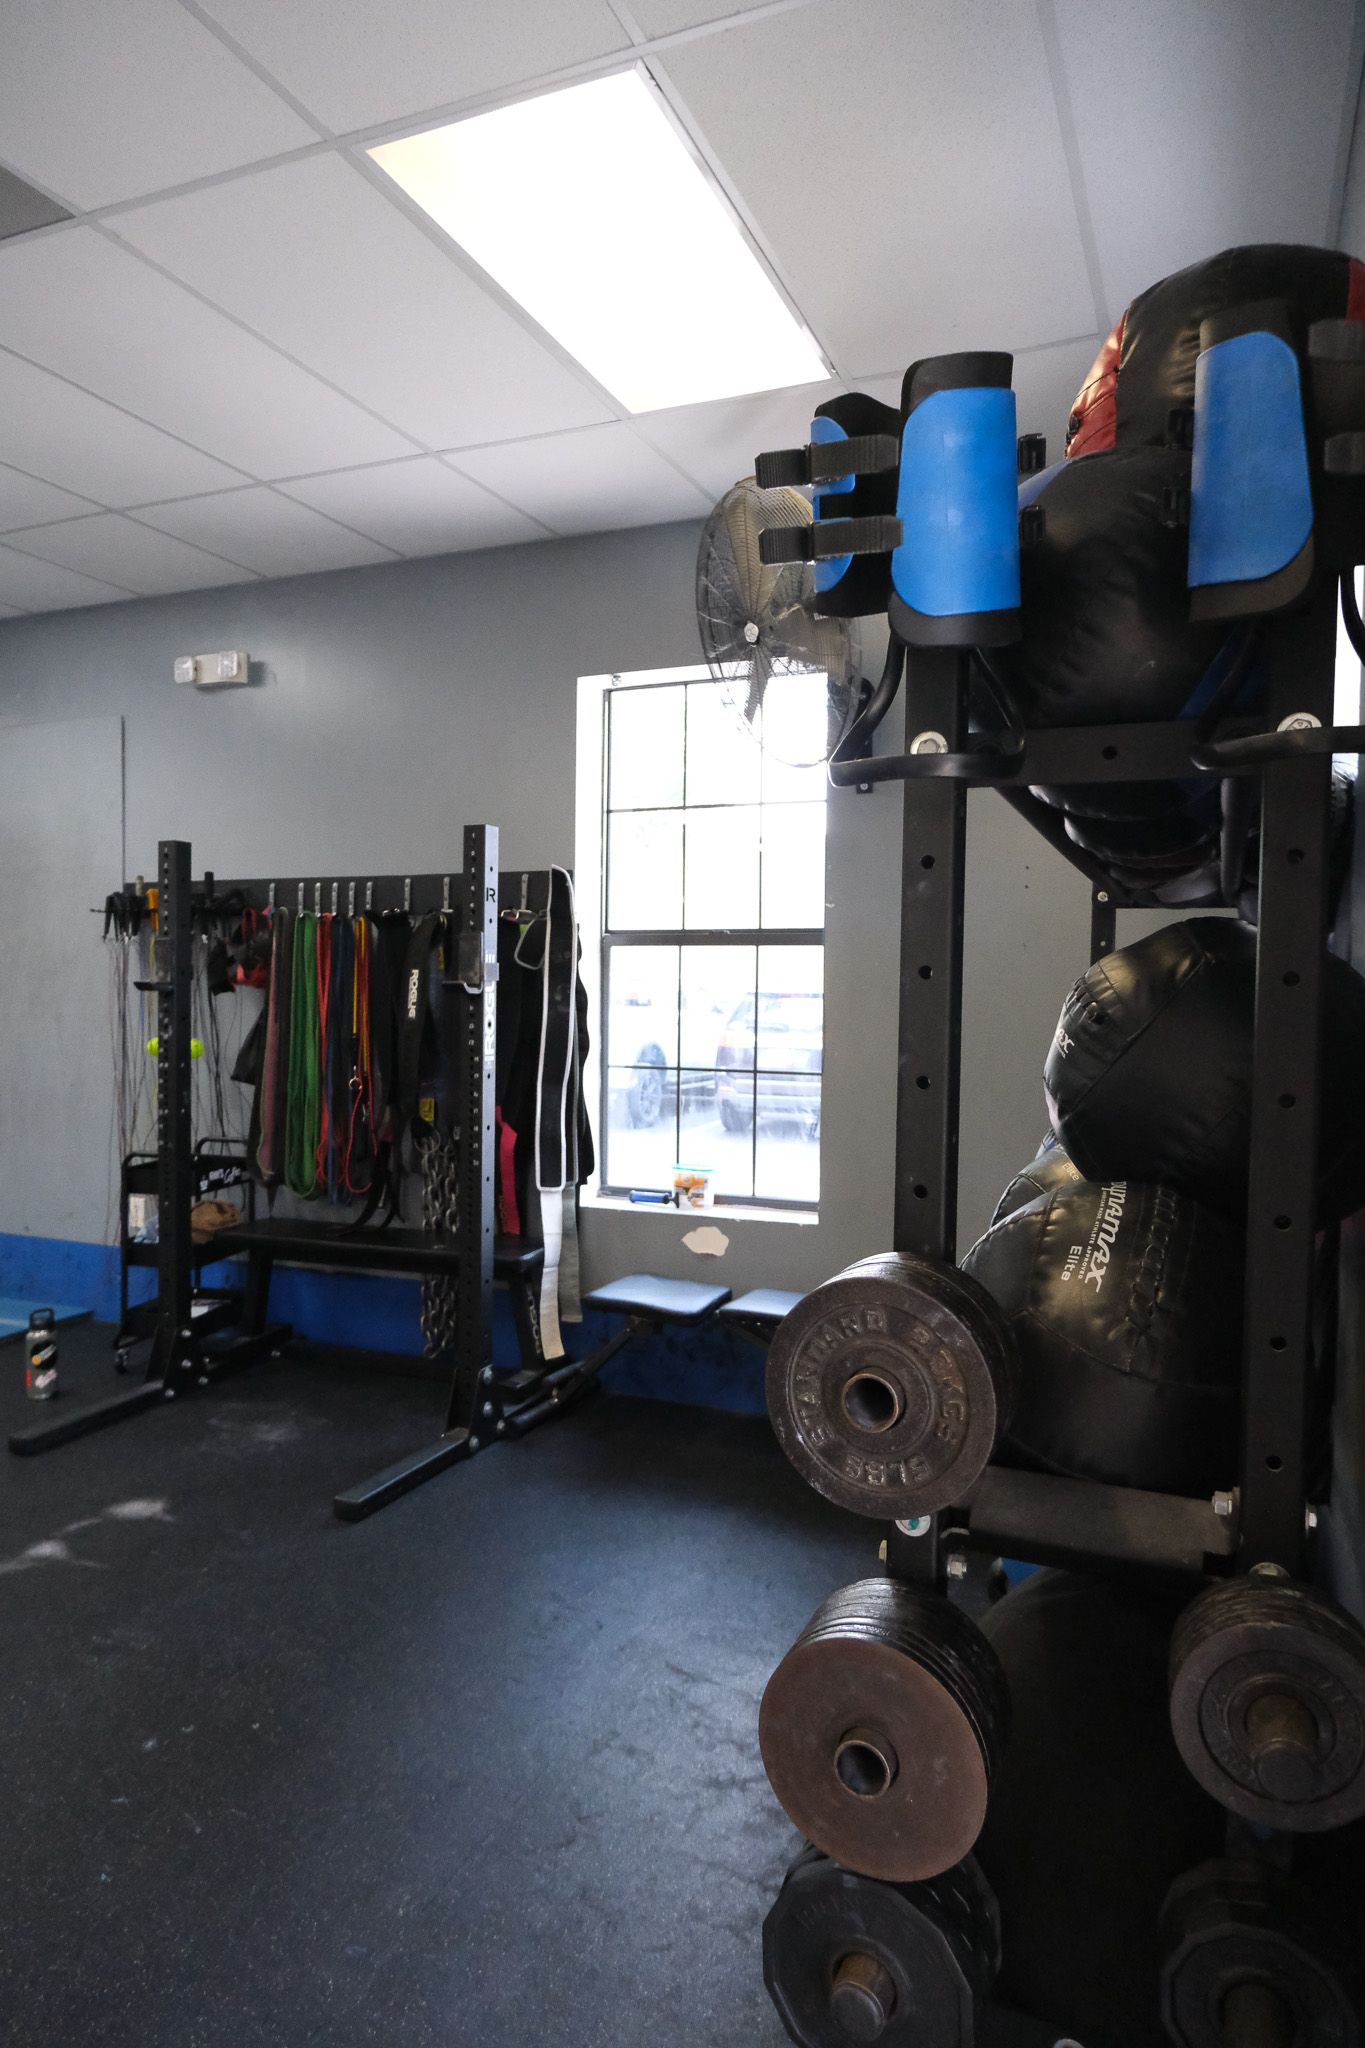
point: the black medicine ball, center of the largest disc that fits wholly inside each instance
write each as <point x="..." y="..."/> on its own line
<point x="1126" y="1303"/>
<point x="1149" y="1073"/>
<point x="1051" y="1169"/>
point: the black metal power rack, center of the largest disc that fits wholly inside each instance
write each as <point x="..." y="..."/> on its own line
<point x="1270" y="1517"/>
<point x="195" y="1343"/>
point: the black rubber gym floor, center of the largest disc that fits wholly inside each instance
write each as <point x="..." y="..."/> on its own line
<point x="482" y="1769"/>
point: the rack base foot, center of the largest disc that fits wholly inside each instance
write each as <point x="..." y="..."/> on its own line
<point x="64" y="1427"/>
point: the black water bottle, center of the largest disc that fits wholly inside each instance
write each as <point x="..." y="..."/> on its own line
<point x="40" y="1370"/>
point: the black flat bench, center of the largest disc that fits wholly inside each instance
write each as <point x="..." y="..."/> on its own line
<point x="649" y="1298"/>
<point x="758" y="1313"/>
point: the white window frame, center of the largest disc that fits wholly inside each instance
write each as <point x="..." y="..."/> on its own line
<point x="589" y="850"/>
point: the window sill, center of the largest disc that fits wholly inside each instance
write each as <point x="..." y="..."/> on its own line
<point x="592" y="1198"/>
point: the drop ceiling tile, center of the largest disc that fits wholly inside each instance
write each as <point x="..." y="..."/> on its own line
<point x="586" y="482"/>
<point x="1046" y="381"/>
<point x="27" y="501"/>
<point x="663" y="17"/>
<point x="264" y="531"/>
<point x="84" y="445"/>
<point x="321" y="263"/>
<point x="354" y="62"/>
<point x="96" y="313"/>
<point x="940" y="208"/>
<point x="421" y="507"/>
<point x="1226" y="128"/>
<point x="716" y="444"/>
<point x="102" y="103"/>
<point x="45" y="587"/>
<point x="118" y="551"/>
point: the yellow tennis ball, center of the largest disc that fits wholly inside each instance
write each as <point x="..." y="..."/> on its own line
<point x="153" y="1046"/>
<point x="196" y="1048"/>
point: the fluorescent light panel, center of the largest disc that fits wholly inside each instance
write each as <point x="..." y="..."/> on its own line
<point x="589" y="209"/>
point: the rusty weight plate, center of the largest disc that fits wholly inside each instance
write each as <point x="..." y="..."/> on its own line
<point x="881" y="1729"/>
<point x="888" y="1385"/>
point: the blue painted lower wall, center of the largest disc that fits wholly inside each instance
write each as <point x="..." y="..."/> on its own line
<point x="708" y="1368"/>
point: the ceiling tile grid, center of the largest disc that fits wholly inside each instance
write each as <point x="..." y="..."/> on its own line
<point x="419" y="507"/>
<point x="118" y="551"/>
<point x="250" y="356"/>
<point x="262" y="531"/>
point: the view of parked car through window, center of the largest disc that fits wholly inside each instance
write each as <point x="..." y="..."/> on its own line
<point x="713" y="947"/>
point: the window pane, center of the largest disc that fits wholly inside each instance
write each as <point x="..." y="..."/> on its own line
<point x="717" y="1130"/>
<point x="642" y="1006"/>
<point x="795" y="729"/>
<point x="724" y="761"/>
<point x="642" y="1139"/>
<point x="787" y="1150"/>
<point x="793" y="866"/>
<point x="722" y="869"/>
<point x="645" y="766"/>
<point x="717" y="1004"/>
<point x="644" y="871"/>
<point x="790" y="1036"/>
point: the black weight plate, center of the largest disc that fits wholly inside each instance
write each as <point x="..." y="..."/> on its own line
<point x="888" y="1385"/>
<point x="881" y="1730"/>
<point x="1242" y="1933"/>
<point x="1268" y="1702"/>
<point x="923" y="1954"/>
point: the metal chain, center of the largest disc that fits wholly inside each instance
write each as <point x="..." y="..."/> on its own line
<point x="438" y="1163"/>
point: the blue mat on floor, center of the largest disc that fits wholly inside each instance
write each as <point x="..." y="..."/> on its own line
<point x="14" y="1315"/>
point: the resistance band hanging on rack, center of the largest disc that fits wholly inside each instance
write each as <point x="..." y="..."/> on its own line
<point x="358" y="1155"/>
<point x="302" y="1106"/>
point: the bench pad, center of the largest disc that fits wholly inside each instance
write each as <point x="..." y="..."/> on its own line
<point x="664" y="1301"/>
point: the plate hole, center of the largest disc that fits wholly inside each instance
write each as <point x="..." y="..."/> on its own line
<point x="872" y="1402"/>
<point x="926" y="974"/>
<point x="1274" y="1464"/>
<point x="1279" y="1343"/>
<point x="921" y="1080"/>
<point x="926" y="860"/>
<point x="1291" y="979"/>
<point x="1109" y="753"/>
<point x="1283" y="1222"/>
<point x="866" y="1763"/>
<point x="921" y="1191"/>
<point x="1288" y="1101"/>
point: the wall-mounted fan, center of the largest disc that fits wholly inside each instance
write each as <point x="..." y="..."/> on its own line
<point x="792" y="678"/>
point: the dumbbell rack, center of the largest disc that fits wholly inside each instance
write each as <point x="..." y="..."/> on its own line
<point x="1270" y="1517"/>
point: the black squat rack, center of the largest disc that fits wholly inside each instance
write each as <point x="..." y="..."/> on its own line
<point x="199" y="1339"/>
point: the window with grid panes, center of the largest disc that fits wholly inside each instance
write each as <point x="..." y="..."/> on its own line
<point x="713" y="941"/>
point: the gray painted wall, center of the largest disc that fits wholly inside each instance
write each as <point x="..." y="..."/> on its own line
<point x="398" y="703"/>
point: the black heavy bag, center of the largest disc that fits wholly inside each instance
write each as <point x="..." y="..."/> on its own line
<point x="1051" y="1169"/>
<point x="1092" y="1812"/>
<point x="1126" y="1304"/>
<point x="1149" y="1072"/>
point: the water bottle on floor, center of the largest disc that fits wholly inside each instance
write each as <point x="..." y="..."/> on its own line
<point x="40" y="1370"/>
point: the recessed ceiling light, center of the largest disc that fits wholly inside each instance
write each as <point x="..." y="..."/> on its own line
<point x="589" y="209"/>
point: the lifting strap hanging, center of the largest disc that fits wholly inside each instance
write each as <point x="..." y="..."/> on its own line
<point x="302" y="1107"/>
<point x="557" y="1115"/>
